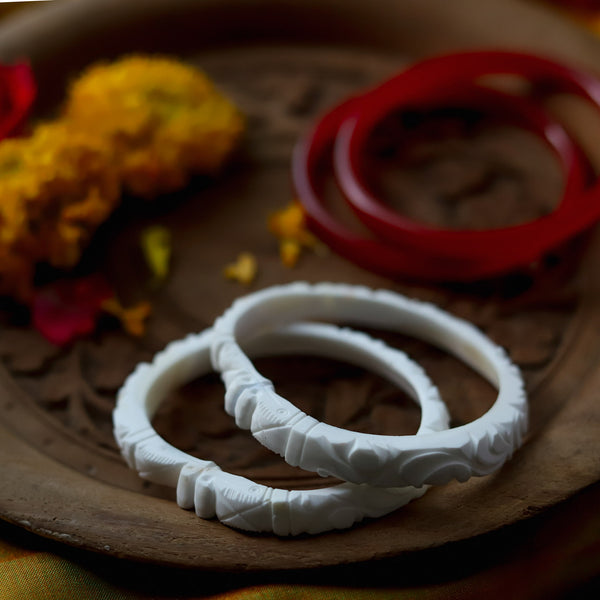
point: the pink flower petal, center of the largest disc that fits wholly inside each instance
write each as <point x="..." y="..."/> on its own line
<point x="69" y="309"/>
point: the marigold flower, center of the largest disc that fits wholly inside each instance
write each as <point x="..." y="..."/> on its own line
<point x="56" y="190"/>
<point x="164" y="119"/>
<point x="142" y="123"/>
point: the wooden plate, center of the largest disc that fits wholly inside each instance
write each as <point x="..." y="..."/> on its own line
<point x="283" y="63"/>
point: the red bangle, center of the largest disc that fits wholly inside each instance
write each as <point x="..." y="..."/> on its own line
<point x="501" y="248"/>
<point x="394" y="259"/>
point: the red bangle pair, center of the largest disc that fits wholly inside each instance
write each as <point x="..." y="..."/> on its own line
<point x="405" y="247"/>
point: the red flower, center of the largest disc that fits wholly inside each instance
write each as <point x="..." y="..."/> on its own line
<point x="69" y="308"/>
<point x="17" y="92"/>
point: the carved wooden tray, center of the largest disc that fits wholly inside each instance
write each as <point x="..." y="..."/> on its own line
<point x="283" y="63"/>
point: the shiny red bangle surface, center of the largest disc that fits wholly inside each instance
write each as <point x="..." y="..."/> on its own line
<point x="514" y="245"/>
<point x="417" y="260"/>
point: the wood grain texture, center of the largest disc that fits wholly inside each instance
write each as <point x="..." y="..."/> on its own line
<point x="62" y="475"/>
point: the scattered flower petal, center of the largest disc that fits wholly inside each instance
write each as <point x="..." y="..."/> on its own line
<point x="290" y="223"/>
<point x="289" y="252"/>
<point x="243" y="269"/>
<point x="289" y="226"/>
<point x="156" y="247"/>
<point x="68" y="309"/>
<point x="133" y="318"/>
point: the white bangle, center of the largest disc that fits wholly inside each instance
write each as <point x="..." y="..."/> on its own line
<point x="477" y="448"/>
<point x="235" y="500"/>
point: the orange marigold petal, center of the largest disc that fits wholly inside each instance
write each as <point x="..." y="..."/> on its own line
<point x="289" y="252"/>
<point x="133" y="319"/>
<point x="289" y="226"/>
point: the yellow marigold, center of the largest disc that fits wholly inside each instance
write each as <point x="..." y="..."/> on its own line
<point x="164" y="119"/>
<point x="56" y="190"/>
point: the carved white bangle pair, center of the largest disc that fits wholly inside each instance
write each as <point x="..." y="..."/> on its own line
<point x="235" y="500"/>
<point x="260" y="323"/>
